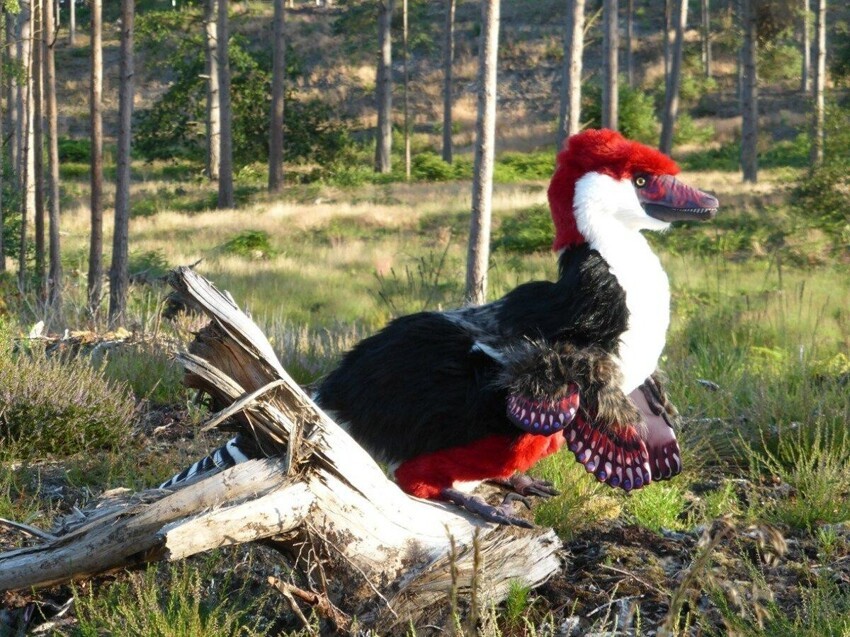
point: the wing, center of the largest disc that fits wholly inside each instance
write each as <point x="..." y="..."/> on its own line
<point x="544" y="415"/>
<point x="628" y="455"/>
<point x="547" y="383"/>
<point x="625" y="441"/>
<point x="665" y="458"/>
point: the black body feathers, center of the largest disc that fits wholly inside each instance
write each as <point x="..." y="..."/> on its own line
<point x="434" y="380"/>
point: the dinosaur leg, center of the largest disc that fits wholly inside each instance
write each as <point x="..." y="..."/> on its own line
<point x="435" y="475"/>
<point x="525" y="485"/>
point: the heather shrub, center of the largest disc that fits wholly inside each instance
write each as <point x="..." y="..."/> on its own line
<point x="58" y="404"/>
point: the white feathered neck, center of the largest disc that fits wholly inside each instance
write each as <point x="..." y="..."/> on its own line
<point x="610" y="218"/>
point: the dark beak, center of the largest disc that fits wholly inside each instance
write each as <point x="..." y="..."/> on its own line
<point x="666" y="198"/>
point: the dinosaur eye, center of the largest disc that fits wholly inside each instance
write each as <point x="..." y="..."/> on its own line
<point x="640" y="181"/>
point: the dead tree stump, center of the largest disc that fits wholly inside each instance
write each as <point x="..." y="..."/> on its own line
<point x="385" y="557"/>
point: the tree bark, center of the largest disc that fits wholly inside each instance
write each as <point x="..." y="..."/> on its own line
<point x="819" y="85"/>
<point x="277" y="105"/>
<point x="406" y="100"/>
<point x="213" y="93"/>
<point x="749" y="93"/>
<point x="38" y="67"/>
<point x="671" y="98"/>
<point x="384" y="88"/>
<point x="448" y="64"/>
<point x="4" y="46"/>
<point x="13" y="114"/>
<point x="705" y="22"/>
<point x="54" y="281"/>
<point x="570" y="115"/>
<point x="630" y="54"/>
<point x="10" y="88"/>
<point x="393" y="560"/>
<point x="95" y="277"/>
<point x="25" y="154"/>
<point x="478" y="257"/>
<point x="806" y="71"/>
<point x="225" y="177"/>
<point x="610" y="44"/>
<point x="72" y="22"/>
<point x="668" y="36"/>
<point x="119" y="279"/>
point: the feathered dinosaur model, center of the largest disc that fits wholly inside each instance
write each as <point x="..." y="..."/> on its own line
<point x="484" y="392"/>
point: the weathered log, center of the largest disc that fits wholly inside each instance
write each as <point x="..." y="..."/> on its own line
<point x="387" y="558"/>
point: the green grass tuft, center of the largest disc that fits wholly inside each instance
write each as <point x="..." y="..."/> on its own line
<point x="183" y="600"/>
<point x="149" y="371"/>
<point x="814" y="463"/>
<point x="657" y="506"/>
<point x="251" y="244"/>
<point x="583" y="500"/>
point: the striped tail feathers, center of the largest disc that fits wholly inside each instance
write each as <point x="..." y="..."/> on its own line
<point x="234" y="451"/>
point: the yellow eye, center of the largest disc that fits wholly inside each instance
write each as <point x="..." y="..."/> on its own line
<point x="640" y="182"/>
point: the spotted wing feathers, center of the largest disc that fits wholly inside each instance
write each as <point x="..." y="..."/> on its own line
<point x="658" y="413"/>
<point x="543" y="416"/>
<point x="625" y="455"/>
<point x="625" y="441"/>
<point x="619" y="459"/>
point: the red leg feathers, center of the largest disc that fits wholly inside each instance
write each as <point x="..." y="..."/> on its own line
<point x="493" y="457"/>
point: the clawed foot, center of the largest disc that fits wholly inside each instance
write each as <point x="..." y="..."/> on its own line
<point x="526" y="485"/>
<point x="502" y="514"/>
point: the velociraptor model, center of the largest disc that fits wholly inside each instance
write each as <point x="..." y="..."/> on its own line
<point x="484" y="392"/>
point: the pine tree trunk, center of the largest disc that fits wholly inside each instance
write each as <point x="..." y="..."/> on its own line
<point x="26" y="155"/>
<point x="383" y="88"/>
<point x="54" y="288"/>
<point x="448" y="64"/>
<point x="4" y="44"/>
<point x="485" y="142"/>
<point x="630" y="54"/>
<point x="610" y="44"/>
<point x="668" y="37"/>
<point x="225" y="177"/>
<point x="570" y="112"/>
<point x="671" y="99"/>
<point x="706" y="36"/>
<point x="119" y="280"/>
<point x="749" y="93"/>
<point x="277" y="105"/>
<point x="213" y="93"/>
<point x="24" y="168"/>
<point x="806" y="71"/>
<point x="38" y="66"/>
<point x="72" y="22"/>
<point x="406" y="85"/>
<point x="819" y="84"/>
<point x="95" y="278"/>
<point x="12" y="112"/>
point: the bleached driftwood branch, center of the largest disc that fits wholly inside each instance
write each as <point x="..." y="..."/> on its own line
<point x="386" y="557"/>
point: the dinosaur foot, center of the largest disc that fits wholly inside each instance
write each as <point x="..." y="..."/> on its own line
<point x="502" y="514"/>
<point x="525" y="485"/>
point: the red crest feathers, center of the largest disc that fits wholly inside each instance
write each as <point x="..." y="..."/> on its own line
<point x="603" y="151"/>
